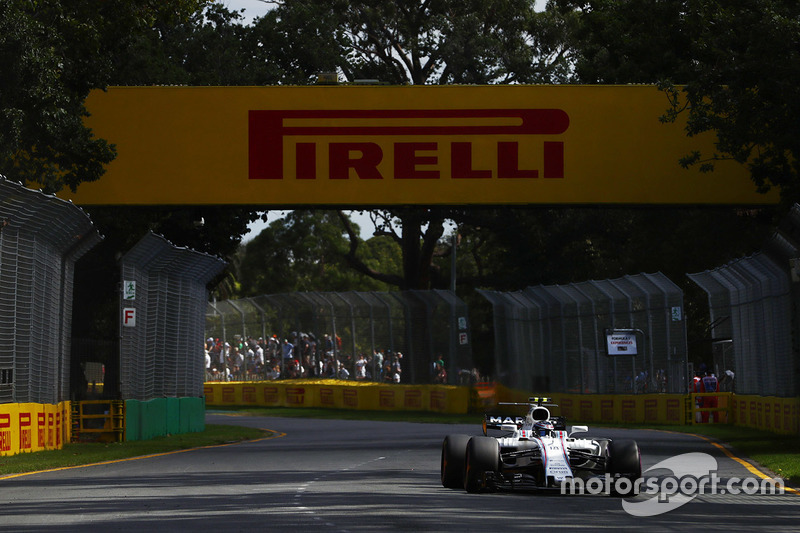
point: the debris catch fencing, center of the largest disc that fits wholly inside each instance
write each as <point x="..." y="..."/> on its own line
<point x="41" y="238"/>
<point x="750" y="308"/>
<point x="163" y="302"/>
<point x="553" y="338"/>
<point x="326" y="333"/>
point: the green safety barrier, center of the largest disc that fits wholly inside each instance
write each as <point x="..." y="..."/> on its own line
<point x="163" y="416"/>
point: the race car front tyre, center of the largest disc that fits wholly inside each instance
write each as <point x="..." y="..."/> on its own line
<point x="625" y="466"/>
<point x="483" y="455"/>
<point x="454" y="454"/>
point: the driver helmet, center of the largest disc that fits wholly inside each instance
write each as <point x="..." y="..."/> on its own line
<point x="543" y="428"/>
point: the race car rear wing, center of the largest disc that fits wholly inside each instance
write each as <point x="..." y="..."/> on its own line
<point x="533" y="401"/>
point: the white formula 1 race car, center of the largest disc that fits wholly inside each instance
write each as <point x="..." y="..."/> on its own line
<point x="536" y="452"/>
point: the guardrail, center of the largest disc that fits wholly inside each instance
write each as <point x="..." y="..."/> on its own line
<point x="98" y="420"/>
<point x="709" y="408"/>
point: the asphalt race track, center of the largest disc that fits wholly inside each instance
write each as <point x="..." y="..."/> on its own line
<point x="359" y="476"/>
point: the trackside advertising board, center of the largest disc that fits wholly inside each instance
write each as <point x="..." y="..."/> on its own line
<point x="621" y="343"/>
<point x="336" y="394"/>
<point x="380" y="145"/>
<point x="33" y="427"/>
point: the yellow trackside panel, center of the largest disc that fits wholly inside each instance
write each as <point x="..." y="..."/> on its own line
<point x="33" y="427"/>
<point x="777" y="415"/>
<point x="336" y="394"/>
<point x="362" y="146"/>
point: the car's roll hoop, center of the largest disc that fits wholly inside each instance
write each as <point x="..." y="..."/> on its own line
<point x="538" y="407"/>
<point x="537" y="411"/>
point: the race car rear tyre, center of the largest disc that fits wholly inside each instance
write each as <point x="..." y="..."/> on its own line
<point x="624" y="462"/>
<point x="483" y="455"/>
<point x="454" y="454"/>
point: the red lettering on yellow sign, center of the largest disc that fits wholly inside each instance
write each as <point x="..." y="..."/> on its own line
<point x="408" y="159"/>
<point x="438" y="400"/>
<point x="271" y="395"/>
<point x="25" y="442"/>
<point x="342" y="157"/>
<point x="295" y="395"/>
<point x="606" y="410"/>
<point x="673" y="410"/>
<point x="248" y="394"/>
<point x="326" y="396"/>
<point x="386" y="398"/>
<point x="413" y="399"/>
<point x="41" y="420"/>
<point x="228" y="395"/>
<point x="350" y="397"/>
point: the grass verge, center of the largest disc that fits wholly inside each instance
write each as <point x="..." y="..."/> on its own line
<point x="76" y="454"/>
<point x="778" y="453"/>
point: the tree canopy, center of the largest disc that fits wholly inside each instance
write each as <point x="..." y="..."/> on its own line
<point x="305" y="251"/>
<point x="744" y="85"/>
<point x="731" y="67"/>
<point x="430" y="42"/>
<point x="735" y="60"/>
<point x="53" y="53"/>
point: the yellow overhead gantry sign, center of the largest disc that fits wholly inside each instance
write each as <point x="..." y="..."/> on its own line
<point x="379" y="145"/>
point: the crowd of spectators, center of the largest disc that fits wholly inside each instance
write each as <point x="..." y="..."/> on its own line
<point x="299" y="356"/>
